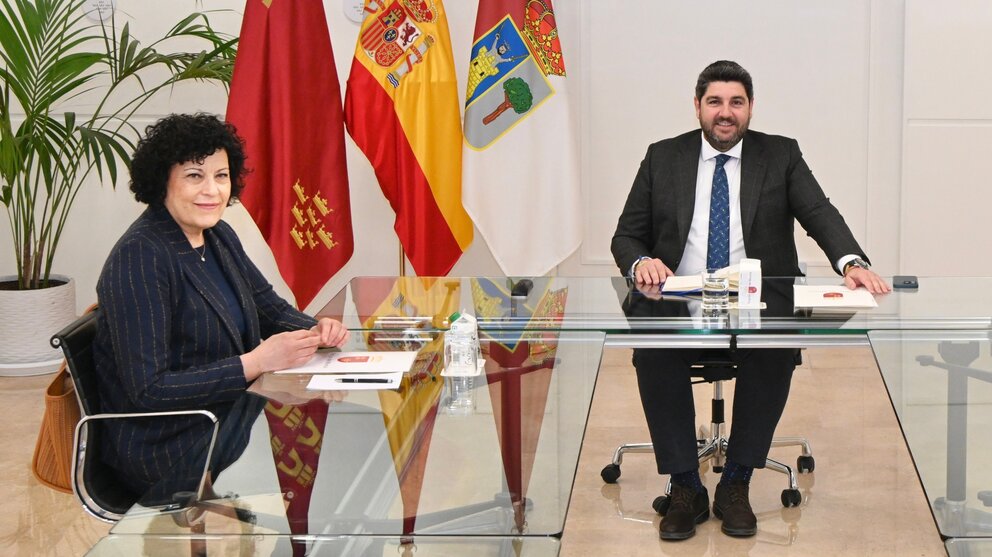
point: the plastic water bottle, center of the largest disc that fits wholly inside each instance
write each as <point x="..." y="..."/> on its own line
<point x="461" y="395"/>
<point x="461" y="363"/>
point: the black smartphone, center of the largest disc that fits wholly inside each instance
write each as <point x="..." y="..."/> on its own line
<point x="905" y="281"/>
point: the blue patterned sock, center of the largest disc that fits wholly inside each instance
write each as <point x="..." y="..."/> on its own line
<point x="736" y="472"/>
<point x="688" y="479"/>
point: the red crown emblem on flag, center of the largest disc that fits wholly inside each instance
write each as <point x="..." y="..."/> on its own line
<point x="541" y="31"/>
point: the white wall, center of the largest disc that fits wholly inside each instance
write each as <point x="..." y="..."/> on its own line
<point x="946" y="186"/>
<point x="834" y="75"/>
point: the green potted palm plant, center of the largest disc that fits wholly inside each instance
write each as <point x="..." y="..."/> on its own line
<point x="52" y="57"/>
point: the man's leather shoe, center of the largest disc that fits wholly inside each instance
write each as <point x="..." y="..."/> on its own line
<point x="688" y="508"/>
<point x="732" y="505"/>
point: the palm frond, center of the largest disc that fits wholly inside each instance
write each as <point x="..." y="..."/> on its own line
<point x="50" y="54"/>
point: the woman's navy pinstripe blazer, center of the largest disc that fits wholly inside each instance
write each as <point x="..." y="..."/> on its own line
<point x="167" y="341"/>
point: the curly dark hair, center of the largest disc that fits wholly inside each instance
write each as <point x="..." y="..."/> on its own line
<point x="180" y="138"/>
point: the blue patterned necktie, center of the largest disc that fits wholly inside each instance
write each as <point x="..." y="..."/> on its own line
<point x="718" y="245"/>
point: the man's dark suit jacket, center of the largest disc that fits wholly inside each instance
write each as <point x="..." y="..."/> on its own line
<point x="777" y="188"/>
<point x="168" y="342"/>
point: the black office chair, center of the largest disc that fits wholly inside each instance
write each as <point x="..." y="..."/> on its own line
<point x="712" y="445"/>
<point x="93" y="482"/>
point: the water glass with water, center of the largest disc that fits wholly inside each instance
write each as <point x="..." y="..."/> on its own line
<point x="716" y="291"/>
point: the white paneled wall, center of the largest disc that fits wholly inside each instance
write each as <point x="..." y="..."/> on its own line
<point x="947" y="187"/>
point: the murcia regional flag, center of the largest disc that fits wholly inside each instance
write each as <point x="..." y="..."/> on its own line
<point x="520" y="166"/>
<point x="286" y="103"/>
<point x="401" y="108"/>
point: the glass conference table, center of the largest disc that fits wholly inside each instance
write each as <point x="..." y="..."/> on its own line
<point x="631" y="318"/>
<point x="483" y="468"/>
<point x="501" y="476"/>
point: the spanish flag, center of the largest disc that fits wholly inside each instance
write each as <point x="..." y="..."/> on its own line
<point x="286" y="103"/>
<point x="401" y="108"/>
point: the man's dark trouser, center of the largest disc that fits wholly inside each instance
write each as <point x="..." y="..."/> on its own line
<point x="760" y="392"/>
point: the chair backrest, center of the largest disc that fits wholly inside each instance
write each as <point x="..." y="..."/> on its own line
<point x="96" y="484"/>
<point x="76" y="342"/>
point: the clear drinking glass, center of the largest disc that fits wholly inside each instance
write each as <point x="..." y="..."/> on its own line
<point x="716" y="291"/>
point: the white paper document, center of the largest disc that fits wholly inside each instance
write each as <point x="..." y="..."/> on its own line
<point x="355" y="382"/>
<point x="683" y="284"/>
<point x="357" y="362"/>
<point x="832" y="297"/>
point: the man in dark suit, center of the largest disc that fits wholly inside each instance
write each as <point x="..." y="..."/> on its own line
<point x="706" y="199"/>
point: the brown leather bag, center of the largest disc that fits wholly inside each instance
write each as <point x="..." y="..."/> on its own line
<point x="53" y="455"/>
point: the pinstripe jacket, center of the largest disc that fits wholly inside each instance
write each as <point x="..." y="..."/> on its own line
<point x="166" y="340"/>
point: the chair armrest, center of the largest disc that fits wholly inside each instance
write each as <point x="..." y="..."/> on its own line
<point x="119" y="415"/>
<point x="81" y="490"/>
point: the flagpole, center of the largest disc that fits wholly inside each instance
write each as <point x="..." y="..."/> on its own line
<point x="402" y="262"/>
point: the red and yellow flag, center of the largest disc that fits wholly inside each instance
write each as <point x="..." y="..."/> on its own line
<point x="286" y="103"/>
<point x="401" y="108"/>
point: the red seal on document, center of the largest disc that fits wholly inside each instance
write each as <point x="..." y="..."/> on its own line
<point x="833" y="294"/>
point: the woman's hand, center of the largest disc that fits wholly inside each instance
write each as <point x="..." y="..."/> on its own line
<point x="331" y="332"/>
<point x="280" y="351"/>
<point x="291" y="388"/>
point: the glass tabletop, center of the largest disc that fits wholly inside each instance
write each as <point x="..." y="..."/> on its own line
<point x="494" y="455"/>
<point x="354" y="546"/>
<point x="940" y="385"/>
<point x="612" y="305"/>
<point x="974" y="547"/>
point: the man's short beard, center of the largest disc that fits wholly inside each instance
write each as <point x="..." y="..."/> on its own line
<point x="723" y="146"/>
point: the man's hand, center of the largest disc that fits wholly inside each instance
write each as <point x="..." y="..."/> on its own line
<point x="857" y="276"/>
<point x="650" y="291"/>
<point x="651" y="271"/>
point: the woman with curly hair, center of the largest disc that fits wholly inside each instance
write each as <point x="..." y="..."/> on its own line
<point x="187" y="321"/>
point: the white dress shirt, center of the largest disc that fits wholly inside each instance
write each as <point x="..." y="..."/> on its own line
<point x="694" y="256"/>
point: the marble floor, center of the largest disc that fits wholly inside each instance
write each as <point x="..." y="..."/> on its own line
<point x="863" y="499"/>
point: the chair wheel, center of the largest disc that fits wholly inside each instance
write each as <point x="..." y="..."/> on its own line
<point x="805" y="464"/>
<point x="791" y="498"/>
<point x="610" y="473"/>
<point x="661" y="504"/>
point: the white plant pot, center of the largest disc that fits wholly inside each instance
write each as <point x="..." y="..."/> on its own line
<point x="28" y="319"/>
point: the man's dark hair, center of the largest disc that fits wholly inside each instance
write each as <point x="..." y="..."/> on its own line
<point x="180" y="138"/>
<point x="724" y="70"/>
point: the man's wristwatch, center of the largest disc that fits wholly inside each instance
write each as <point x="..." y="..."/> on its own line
<point x="856" y="262"/>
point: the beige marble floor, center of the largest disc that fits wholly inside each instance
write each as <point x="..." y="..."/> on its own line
<point x="863" y="499"/>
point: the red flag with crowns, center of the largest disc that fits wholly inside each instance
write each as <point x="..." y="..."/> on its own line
<point x="296" y="433"/>
<point x="286" y="103"/>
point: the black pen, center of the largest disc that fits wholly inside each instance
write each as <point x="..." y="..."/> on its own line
<point x="370" y="380"/>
